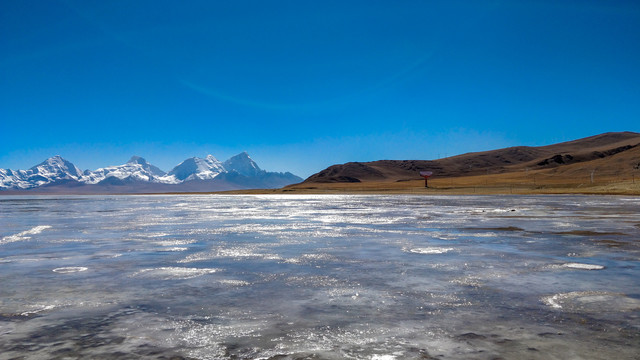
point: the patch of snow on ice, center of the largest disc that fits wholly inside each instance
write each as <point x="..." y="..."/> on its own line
<point x="430" y="250"/>
<point x="583" y="266"/>
<point x="383" y="357"/>
<point x="24" y="235"/>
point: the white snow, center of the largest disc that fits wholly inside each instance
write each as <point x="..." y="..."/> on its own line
<point x="137" y="169"/>
<point x="583" y="266"/>
<point x="195" y="168"/>
<point x="53" y="169"/>
<point x="430" y="250"/>
<point x="70" y="269"/>
<point x="25" y="235"/>
<point x="242" y="164"/>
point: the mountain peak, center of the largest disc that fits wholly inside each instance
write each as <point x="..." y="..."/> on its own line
<point x="56" y="159"/>
<point x="196" y="168"/>
<point x="53" y="169"/>
<point x="211" y="158"/>
<point x="242" y="164"/>
<point x="136" y="169"/>
<point x="57" y="162"/>
<point x="137" y="160"/>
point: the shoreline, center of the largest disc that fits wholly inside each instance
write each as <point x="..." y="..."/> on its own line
<point x="432" y="191"/>
<point x="501" y="184"/>
<point x="369" y="190"/>
<point x="472" y="185"/>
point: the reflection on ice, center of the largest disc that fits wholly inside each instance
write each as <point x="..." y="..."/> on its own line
<point x="176" y="248"/>
<point x="311" y="258"/>
<point x="233" y="252"/>
<point x="174" y="242"/>
<point x="166" y="273"/>
<point x="430" y="250"/>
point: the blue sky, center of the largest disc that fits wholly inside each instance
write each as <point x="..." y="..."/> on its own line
<point x="302" y="85"/>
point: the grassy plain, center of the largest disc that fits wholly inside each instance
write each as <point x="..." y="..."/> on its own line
<point x="526" y="182"/>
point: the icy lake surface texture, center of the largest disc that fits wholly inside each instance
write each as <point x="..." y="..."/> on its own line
<point x="319" y="277"/>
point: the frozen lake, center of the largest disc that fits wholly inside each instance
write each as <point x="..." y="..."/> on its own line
<point x="319" y="277"/>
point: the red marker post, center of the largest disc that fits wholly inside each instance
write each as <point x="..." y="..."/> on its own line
<point x="426" y="175"/>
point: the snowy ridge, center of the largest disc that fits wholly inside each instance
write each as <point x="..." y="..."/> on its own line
<point x="136" y="169"/>
<point x="195" y="168"/>
<point x="239" y="171"/>
<point x="10" y="179"/>
<point x="52" y="170"/>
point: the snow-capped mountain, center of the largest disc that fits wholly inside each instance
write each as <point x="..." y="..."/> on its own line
<point x="242" y="164"/>
<point x="10" y="179"/>
<point x="136" y="169"/>
<point x="196" y="168"/>
<point x="137" y="175"/>
<point x="52" y="170"/>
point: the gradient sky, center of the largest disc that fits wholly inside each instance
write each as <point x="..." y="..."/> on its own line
<point x="302" y="85"/>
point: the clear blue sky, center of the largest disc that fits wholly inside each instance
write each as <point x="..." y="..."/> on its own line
<point x="302" y="85"/>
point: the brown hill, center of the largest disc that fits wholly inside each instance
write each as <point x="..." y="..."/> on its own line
<point x="610" y="154"/>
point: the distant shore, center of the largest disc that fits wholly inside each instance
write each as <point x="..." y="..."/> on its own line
<point x="476" y="185"/>
<point x="472" y="185"/>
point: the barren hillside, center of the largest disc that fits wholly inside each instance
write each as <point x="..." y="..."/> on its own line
<point x="609" y="153"/>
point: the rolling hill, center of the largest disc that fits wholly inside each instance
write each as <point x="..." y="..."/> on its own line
<point x="608" y="163"/>
<point x="610" y="153"/>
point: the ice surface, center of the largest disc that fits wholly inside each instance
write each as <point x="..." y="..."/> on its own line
<point x="319" y="277"/>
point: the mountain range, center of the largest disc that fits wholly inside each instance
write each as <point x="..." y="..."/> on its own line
<point x="57" y="175"/>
